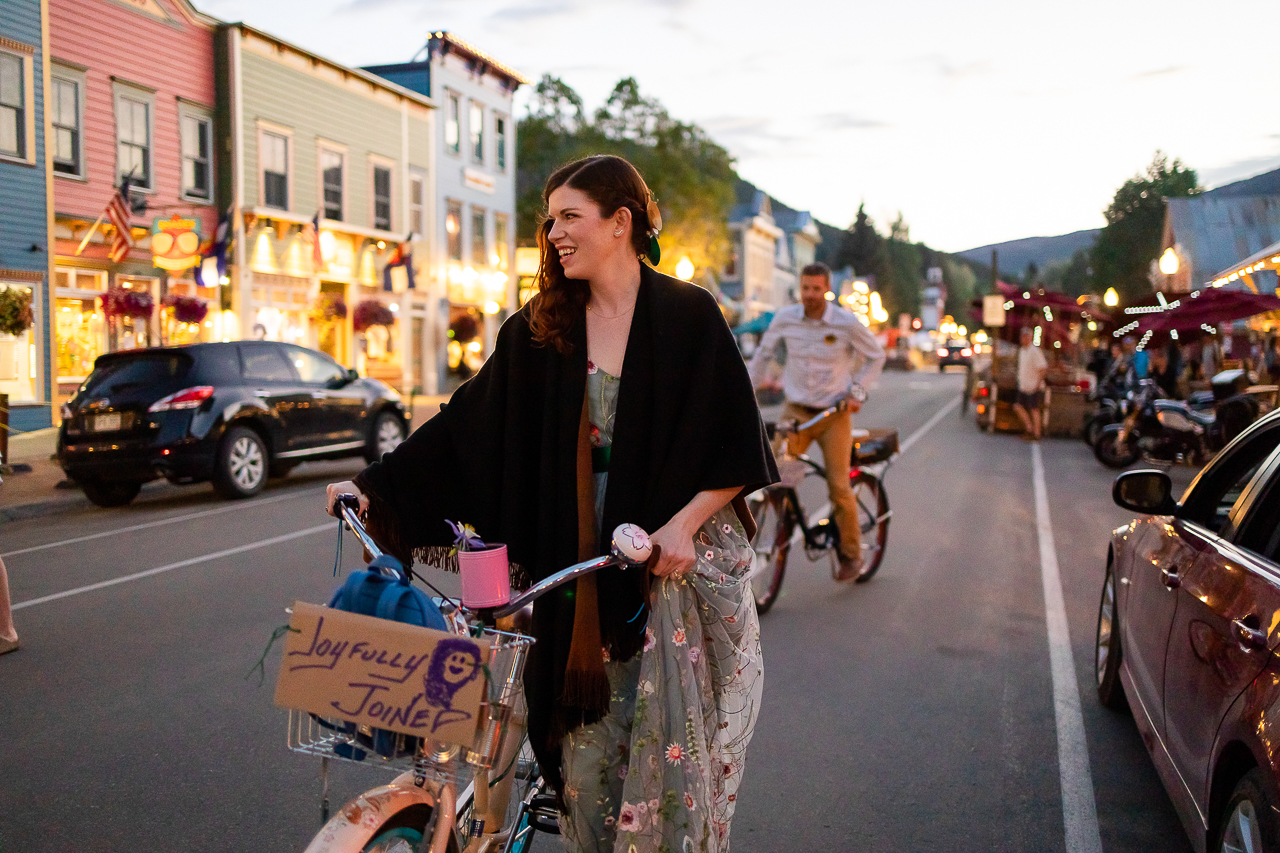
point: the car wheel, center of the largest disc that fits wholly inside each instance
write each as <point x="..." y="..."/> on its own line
<point x="110" y="494"/>
<point x="241" y="467"/>
<point x="1106" y="654"/>
<point x="387" y="433"/>
<point x="1249" y="822"/>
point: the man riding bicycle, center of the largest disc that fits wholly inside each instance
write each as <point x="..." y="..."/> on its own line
<point x="831" y="358"/>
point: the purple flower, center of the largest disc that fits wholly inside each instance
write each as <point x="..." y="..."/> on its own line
<point x="465" y="537"/>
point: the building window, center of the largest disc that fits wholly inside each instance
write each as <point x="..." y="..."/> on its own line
<point x="382" y="198"/>
<point x="197" y="145"/>
<point x="415" y="205"/>
<point x="64" y="111"/>
<point x="453" y="229"/>
<point x="500" y="238"/>
<point x="476" y="127"/>
<point x="275" y="170"/>
<point x="452" y="132"/>
<point x="331" y="167"/>
<point x="13" y="105"/>
<point x="133" y="141"/>
<point x="500" y="142"/>
<point x="479" y="245"/>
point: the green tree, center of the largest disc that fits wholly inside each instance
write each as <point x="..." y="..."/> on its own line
<point x="1073" y="277"/>
<point x="900" y="273"/>
<point x="861" y="246"/>
<point x="962" y="286"/>
<point x="1131" y="239"/>
<point x="691" y="176"/>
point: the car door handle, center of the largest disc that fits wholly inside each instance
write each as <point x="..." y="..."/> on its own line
<point x="1249" y="637"/>
<point x="1170" y="578"/>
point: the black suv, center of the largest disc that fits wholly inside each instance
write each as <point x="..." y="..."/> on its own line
<point x="227" y="412"/>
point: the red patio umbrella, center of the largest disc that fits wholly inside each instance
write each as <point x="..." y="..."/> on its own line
<point x="1209" y="307"/>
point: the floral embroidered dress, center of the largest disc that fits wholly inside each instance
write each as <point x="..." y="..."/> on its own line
<point x="660" y="772"/>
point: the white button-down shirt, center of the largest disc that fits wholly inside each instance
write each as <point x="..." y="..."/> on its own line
<point x="824" y="357"/>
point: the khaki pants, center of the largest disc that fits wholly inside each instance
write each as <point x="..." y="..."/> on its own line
<point x="835" y="436"/>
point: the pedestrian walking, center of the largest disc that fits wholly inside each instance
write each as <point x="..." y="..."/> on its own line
<point x="832" y="357"/>
<point x="1032" y="369"/>
<point x="617" y="394"/>
<point x="8" y="634"/>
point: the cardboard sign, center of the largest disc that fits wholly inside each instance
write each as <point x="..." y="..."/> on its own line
<point x="993" y="310"/>
<point x="384" y="674"/>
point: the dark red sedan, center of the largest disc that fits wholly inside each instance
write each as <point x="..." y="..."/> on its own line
<point x="1188" y="630"/>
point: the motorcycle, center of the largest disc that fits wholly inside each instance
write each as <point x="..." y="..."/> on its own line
<point x="1113" y="402"/>
<point x="1172" y="431"/>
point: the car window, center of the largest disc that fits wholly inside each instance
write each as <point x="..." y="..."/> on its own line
<point x="120" y="374"/>
<point x="265" y="361"/>
<point x="1261" y="532"/>
<point x="313" y="367"/>
<point x="1212" y="496"/>
<point x="217" y="364"/>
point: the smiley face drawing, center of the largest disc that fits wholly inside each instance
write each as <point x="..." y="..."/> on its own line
<point x="454" y="663"/>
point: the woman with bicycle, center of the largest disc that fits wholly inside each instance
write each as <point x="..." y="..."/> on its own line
<point x="616" y="395"/>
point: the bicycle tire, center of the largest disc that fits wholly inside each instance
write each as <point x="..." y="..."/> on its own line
<point x="772" y="544"/>
<point x="868" y="492"/>
<point x="405" y="832"/>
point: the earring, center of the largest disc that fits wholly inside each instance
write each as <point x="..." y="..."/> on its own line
<point x="618" y="233"/>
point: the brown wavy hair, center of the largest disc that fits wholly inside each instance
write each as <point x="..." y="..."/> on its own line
<point x="612" y="183"/>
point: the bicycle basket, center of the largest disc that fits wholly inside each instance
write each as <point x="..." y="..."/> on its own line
<point x="878" y="445"/>
<point x="309" y="734"/>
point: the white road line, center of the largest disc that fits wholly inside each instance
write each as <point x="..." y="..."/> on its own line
<point x="1079" y="810"/>
<point x="119" y="530"/>
<point x="825" y="510"/>
<point x="217" y="555"/>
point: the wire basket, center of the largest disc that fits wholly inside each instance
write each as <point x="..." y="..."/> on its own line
<point x="310" y="734"/>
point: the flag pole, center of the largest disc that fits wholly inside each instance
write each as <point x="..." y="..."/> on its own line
<point x="92" y="230"/>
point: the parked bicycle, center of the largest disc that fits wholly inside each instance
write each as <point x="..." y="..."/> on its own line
<point x="502" y="801"/>
<point x="778" y="512"/>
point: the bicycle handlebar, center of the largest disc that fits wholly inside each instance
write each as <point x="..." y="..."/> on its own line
<point x="629" y="548"/>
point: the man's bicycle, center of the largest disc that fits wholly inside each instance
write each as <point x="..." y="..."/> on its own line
<point x="778" y="512"/>
<point x="489" y="798"/>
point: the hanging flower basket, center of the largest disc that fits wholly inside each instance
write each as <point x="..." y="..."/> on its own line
<point x="328" y="308"/>
<point x="464" y="328"/>
<point x="187" y="309"/>
<point x="15" y="310"/>
<point x="123" y="302"/>
<point x="371" y="312"/>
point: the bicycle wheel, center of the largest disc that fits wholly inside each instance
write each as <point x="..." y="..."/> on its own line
<point x="772" y="544"/>
<point x="873" y="519"/>
<point x="406" y="832"/>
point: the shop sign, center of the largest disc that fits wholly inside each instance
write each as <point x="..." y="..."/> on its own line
<point x="478" y="180"/>
<point x="993" y="310"/>
<point x="175" y="243"/>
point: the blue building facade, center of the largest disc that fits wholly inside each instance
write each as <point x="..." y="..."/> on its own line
<point x="25" y="356"/>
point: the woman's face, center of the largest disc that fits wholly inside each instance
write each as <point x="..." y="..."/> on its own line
<point x="584" y="239"/>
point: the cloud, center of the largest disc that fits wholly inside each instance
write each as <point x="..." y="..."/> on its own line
<point x="1160" y="72"/>
<point x="535" y="12"/>
<point x="1216" y="176"/>
<point x="847" y="121"/>
<point x="949" y="69"/>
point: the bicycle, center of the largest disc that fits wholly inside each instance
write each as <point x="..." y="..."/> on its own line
<point x="504" y="802"/>
<point x="777" y="510"/>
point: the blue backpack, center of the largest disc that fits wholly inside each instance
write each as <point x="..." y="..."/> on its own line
<point x="372" y="593"/>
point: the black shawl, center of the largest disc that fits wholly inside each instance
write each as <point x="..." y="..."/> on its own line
<point x="502" y="456"/>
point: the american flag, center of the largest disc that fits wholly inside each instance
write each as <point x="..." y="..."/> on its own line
<point x="119" y="213"/>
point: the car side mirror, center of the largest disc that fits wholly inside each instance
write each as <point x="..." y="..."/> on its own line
<point x="1149" y="492"/>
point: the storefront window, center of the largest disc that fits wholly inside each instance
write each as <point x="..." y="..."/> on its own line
<point x="81" y="330"/>
<point x="465" y="350"/>
<point x="272" y="324"/>
<point x="17" y="358"/>
<point x="135" y="332"/>
<point x="185" y="317"/>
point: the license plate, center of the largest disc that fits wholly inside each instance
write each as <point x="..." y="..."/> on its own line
<point x="107" y="423"/>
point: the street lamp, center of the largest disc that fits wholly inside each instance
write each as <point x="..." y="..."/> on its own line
<point x="684" y="269"/>
<point x="1111" y="299"/>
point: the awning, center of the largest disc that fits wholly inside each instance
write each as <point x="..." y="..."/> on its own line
<point x="756" y="326"/>
<point x="1267" y="259"/>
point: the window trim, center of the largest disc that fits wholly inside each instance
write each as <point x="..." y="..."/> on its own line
<point x="453" y="103"/>
<point x="324" y="146"/>
<point x="265" y="128"/>
<point x="476" y="138"/>
<point x="420" y="179"/>
<point x="483" y="213"/>
<point x="504" y="257"/>
<point x="76" y="77"/>
<point x="122" y="91"/>
<point x="25" y="56"/>
<point x="378" y="162"/>
<point x="186" y="111"/>
<point x="448" y="203"/>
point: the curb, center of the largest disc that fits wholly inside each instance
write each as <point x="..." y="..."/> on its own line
<point x="39" y="509"/>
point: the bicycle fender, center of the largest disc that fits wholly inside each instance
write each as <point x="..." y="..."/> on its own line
<point x="358" y="821"/>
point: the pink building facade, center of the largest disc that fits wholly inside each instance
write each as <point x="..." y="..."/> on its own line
<point x="131" y="93"/>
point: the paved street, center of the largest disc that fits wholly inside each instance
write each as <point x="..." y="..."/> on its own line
<point x="912" y="713"/>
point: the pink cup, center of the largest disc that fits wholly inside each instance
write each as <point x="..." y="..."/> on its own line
<point x="486" y="577"/>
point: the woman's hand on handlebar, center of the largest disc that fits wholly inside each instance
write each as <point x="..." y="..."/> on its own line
<point x="674" y="548"/>
<point x="346" y="487"/>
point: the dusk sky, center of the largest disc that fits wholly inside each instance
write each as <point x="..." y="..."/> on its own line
<point x="981" y="122"/>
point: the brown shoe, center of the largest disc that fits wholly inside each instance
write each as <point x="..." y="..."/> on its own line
<point x="850" y="568"/>
<point x="7" y="646"/>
